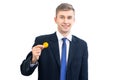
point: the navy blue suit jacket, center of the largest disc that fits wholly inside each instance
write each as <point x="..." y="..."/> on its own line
<point x="49" y="61"/>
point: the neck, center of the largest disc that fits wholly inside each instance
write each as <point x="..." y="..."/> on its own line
<point x="65" y="34"/>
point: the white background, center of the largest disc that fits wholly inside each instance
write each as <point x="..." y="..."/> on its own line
<point x="97" y="22"/>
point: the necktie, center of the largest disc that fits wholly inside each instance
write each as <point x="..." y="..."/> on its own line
<point x="63" y="61"/>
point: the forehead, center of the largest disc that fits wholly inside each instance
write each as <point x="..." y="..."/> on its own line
<point x="66" y="13"/>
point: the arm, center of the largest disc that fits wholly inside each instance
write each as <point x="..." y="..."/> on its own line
<point x="84" y="69"/>
<point x="25" y="67"/>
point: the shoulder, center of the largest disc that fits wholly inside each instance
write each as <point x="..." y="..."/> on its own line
<point x="79" y="40"/>
<point x="47" y="36"/>
<point x="42" y="38"/>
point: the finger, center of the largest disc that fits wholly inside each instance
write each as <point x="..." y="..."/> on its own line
<point x="36" y="54"/>
<point x="36" y="50"/>
<point x="39" y="46"/>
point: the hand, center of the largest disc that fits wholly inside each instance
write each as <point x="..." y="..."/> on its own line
<point x="36" y="52"/>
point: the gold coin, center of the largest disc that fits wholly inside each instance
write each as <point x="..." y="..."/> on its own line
<point x="45" y="44"/>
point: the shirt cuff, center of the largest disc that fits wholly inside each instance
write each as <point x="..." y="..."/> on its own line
<point x="32" y="65"/>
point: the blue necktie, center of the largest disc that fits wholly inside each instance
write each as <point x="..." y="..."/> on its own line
<point x="63" y="61"/>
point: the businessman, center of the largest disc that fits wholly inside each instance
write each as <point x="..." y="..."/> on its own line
<point x="65" y="57"/>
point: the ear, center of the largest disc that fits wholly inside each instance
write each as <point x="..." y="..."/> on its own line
<point x="74" y="19"/>
<point x="55" y="19"/>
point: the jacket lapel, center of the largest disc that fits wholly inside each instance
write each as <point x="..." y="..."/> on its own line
<point x="54" y="48"/>
<point x="72" y="51"/>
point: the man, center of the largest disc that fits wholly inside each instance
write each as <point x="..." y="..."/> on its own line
<point x="50" y="61"/>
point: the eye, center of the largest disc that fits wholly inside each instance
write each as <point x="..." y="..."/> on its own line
<point x="69" y="17"/>
<point x="62" y="17"/>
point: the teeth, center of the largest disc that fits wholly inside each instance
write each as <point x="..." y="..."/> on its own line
<point x="66" y="25"/>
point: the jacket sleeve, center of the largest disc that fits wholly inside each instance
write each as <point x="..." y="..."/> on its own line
<point x="25" y="67"/>
<point x="84" y="69"/>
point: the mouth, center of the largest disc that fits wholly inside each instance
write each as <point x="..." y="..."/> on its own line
<point x="66" y="25"/>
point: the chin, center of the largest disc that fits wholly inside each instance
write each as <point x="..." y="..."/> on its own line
<point x="66" y="31"/>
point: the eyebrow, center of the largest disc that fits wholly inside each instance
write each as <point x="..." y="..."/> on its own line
<point x="67" y="16"/>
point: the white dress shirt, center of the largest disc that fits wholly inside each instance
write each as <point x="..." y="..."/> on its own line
<point x="69" y="38"/>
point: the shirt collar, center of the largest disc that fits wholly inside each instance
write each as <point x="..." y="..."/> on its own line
<point x="60" y="36"/>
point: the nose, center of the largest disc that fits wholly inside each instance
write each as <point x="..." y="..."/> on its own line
<point x="65" y="20"/>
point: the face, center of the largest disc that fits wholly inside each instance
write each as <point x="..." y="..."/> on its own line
<point x="65" y="20"/>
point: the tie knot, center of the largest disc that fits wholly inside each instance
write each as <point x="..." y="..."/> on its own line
<point x="64" y="39"/>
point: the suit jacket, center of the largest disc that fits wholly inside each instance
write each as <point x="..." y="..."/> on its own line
<point x="49" y="61"/>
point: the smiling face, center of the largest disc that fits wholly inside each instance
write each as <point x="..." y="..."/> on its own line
<point x="65" y="20"/>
